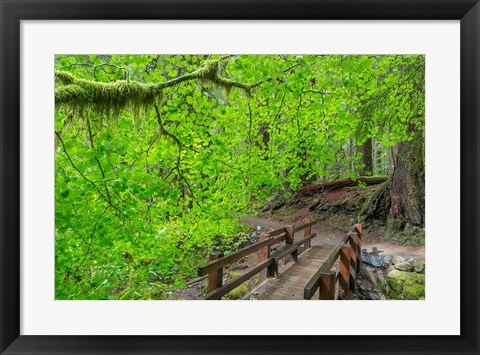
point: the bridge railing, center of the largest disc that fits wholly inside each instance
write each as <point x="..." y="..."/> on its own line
<point x="269" y="259"/>
<point x="348" y="250"/>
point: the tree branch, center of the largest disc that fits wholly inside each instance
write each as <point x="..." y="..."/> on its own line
<point x="84" y="177"/>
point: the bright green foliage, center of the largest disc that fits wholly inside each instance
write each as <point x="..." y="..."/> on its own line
<point x="153" y="172"/>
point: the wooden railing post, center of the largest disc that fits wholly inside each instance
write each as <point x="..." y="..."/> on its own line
<point x="264" y="253"/>
<point x="327" y="285"/>
<point x="344" y="280"/>
<point x="358" y="229"/>
<point x="215" y="277"/>
<point x="306" y="232"/>
<point x="353" y="269"/>
<point x="356" y="244"/>
<point x="289" y="237"/>
<point x="272" y="270"/>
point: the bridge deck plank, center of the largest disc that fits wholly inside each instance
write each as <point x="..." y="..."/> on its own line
<point x="294" y="276"/>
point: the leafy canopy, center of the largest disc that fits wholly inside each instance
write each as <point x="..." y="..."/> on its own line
<point x="158" y="157"/>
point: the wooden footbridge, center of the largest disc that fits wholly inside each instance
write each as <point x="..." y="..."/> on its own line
<point x="291" y="265"/>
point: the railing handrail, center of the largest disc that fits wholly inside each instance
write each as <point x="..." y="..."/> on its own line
<point x="215" y="267"/>
<point x="306" y="225"/>
<point x="312" y="285"/>
<point x="229" y="286"/>
<point x="294" y="245"/>
<point x="314" y="282"/>
<point x="237" y="255"/>
<point x="230" y="258"/>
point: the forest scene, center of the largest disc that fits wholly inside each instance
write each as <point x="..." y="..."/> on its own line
<point x="173" y="174"/>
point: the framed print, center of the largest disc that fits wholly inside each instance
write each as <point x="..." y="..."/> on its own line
<point x="180" y="177"/>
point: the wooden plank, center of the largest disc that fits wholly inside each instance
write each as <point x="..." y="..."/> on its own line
<point x="327" y="285"/>
<point x="306" y="232"/>
<point x="277" y="232"/>
<point x="334" y="255"/>
<point x="303" y="226"/>
<point x="229" y="286"/>
<point x="215" y="277"/>
<point x="353" y="270"/>
<point x="295" y="255"/>
<point x="289" y="238"/>
<point x="356" y="244"/>
<point x="353" y="281"/>
<point x="291" y="282"/>
<point x="230" y="258"/>
<point x="344" y="279"/>
<point x="263" y="254"/>
<point x="289" y="248"/>
<point x="313" y="284"/>
<point x="358" y="229"/>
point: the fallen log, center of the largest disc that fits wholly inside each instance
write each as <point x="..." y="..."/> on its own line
<point x="340" y="184"/>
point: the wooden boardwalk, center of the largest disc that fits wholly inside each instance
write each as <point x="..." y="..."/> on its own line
<point x="294" y="276"/>
<point x="292" y="268"/>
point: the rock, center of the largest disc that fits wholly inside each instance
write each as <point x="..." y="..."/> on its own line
<point x="397" y="259"/>
<point x="371" y="276"/>
<point x="404" y="285"/>
<point x="387" y="260"/>
<point x="405" y="266"/>
<point x="371" y="296"/>
<point x="411" y="260"/>
<point x="372" y="259"/>
<point x="420" y="266"/>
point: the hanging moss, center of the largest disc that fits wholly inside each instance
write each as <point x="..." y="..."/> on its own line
<point x="104" y="97"/>
<point x="108" y="98"/>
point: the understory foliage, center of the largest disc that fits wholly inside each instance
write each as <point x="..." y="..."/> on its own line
<point x="158" y="157"/>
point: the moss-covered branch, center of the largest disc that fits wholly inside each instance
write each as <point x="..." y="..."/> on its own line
<point x="78" y="93"/>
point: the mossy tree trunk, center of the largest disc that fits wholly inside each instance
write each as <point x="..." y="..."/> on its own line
<point x="407" y="192"/>
<point x="400" y="201"/>
<point x="406" y="216"/>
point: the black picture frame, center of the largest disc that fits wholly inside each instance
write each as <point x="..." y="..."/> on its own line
<point x="14" y="11"/>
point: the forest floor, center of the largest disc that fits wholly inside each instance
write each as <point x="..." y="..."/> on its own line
<point x="336" y="212"/>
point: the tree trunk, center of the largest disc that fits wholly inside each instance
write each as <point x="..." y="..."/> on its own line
<point x="406" y="216"/>
<point x="367" y="157"/>
<point x="407" y="192"/>
<point x="401" y="199"/>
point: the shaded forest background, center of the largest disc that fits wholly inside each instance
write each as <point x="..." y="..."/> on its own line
<point x="158" y="157"/>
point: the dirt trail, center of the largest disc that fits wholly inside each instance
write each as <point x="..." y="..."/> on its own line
<point x="330" y="232"/>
